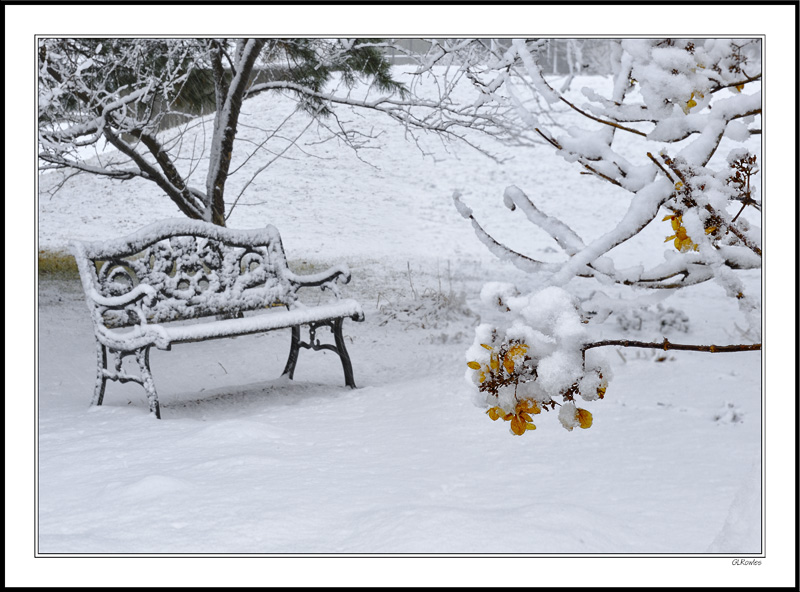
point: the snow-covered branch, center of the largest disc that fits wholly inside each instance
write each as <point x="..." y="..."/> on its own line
<point x="673" y="104"/>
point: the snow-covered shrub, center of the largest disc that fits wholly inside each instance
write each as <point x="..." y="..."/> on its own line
<point x="429" y="309"/>
<point x="655" y="137"/>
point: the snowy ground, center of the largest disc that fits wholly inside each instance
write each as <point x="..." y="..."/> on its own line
<point x="244" y="462"/>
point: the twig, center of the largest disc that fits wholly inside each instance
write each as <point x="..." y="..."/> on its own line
<point x="663" y="170"/>
<point x="713" y="212"/>
<point x="666" y="345"/>
<point x="413" y="290"/>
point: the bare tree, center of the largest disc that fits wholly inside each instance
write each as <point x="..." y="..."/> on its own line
<point x="125" y="91"/>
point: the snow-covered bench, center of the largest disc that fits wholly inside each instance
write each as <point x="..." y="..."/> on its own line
<point x="179" y="281"/>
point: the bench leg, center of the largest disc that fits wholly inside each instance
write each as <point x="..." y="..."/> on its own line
<point x="143" y="359"/>
<point x="343" y="355"/>
<point x="145" y="378"/>
<point x="294" y="352"/>
<point x="100" y="381"/>
<point x="340" y="350"/>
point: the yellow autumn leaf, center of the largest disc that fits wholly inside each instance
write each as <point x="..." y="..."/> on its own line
<point x="675" y="219"/>
<point x="739" y="87"/>
<point x="496" y="413"/>
<point x="508" y="364"/>
<point x="517" y="350"/>
<point x="678" y="187"/>
<point x="584" y="418"/>
<point x="517" y="425"/>
<point x="494" y="363"/>
<point x="489" y="347"/>
<point x="601" y="389"/>
<point x="685" y="244"/>
<point x="474" y="365"/>
<point x="528" y="406"/>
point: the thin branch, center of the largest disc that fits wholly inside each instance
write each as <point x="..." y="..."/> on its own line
<point x="658" y="164"/>
<point x="123" y="175"/>
<point x="597" y="119"/>
<point x="261" y="169"/>
<point x="710" y="209"/>
<point x="581" y="159"/>
<point x="666" y="345"/>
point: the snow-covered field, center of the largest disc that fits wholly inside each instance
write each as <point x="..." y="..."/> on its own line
<point x="245" y="462"/>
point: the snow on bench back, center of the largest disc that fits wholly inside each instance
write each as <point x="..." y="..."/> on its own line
<point x="193" y="269"/>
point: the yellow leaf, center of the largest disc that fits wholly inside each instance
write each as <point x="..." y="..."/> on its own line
<point x="710" y="229"/>
<point x="495" y="413"/>
<point x="489" y="347"/>
<point x="495" y="363"/>
<point x="528" y="406"/>
<point x="517" y="426"/>
<point x="601" y="391"/>
<point x="739" y="87"/>
<point x="474" y="365"/>
<point x="508" y="364"/>
<point x="689" y="104"/>
<point x="584" y="418"/>
<point x="482" y="377"/>
<point x="678" y="187"/>
<point x="517" y="350"/>
<point x="684" y="244"/>
<point x="530" y="426"/>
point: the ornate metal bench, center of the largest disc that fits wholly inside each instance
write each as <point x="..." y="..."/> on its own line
<point x="179" y="281"/>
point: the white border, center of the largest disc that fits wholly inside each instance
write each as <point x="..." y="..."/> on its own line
<point x="776" y="22"/>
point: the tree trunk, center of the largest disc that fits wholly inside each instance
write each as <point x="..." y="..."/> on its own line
<point x="225" y="125"/>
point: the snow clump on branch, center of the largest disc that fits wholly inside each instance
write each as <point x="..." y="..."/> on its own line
<point x="535" y="362"/>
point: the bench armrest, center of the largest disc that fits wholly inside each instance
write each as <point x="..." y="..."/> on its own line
<point x="318" y="279"/>
<point x="140" y="291"/>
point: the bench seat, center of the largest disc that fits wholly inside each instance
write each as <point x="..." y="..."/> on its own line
<point x="183" y="281"/>
<point x="164" y="335"/>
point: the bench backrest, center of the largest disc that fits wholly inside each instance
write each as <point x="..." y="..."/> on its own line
<point x="197" y="269"/>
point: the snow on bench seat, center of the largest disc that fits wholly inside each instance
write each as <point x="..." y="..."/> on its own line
<point x="165" y="335"/>
<point x="179" y="281"/>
